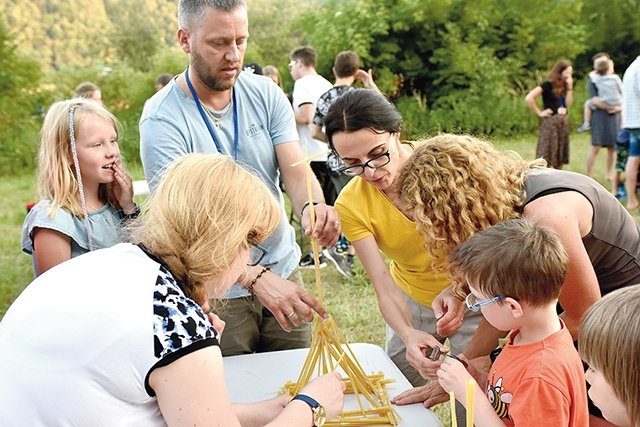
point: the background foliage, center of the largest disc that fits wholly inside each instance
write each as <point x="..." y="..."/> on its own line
<point x="449" y="65"/>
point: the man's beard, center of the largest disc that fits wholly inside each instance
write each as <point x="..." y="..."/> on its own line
<point x="200" y="67"/>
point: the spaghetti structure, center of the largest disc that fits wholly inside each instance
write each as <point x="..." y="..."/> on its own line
<point x="330" y="350"/>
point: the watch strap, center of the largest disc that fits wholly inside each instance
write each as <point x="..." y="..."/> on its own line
<point x="307" y="399"/>
<point x="317" y="410"/>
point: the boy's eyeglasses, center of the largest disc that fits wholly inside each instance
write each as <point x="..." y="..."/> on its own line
<point x="292" y="63"/>
<point x="256" y="254"/>
<point x="474" y="305"/>
<point x="375" y="162"/>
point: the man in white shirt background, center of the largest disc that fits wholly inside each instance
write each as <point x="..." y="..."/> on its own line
<point x="307" y="89"/>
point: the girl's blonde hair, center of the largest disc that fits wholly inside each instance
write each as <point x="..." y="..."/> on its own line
<point x="609" y="341"/>
<point x="57" y="179"/>
<point x="457" y="185"/>
<point x="206" y="209"/>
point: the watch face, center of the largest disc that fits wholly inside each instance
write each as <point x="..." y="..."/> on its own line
<point x="320" y="416"/>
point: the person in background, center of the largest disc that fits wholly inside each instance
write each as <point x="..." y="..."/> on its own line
<point x="512" y="272"/>
<point x="163" y="80"/>
<point x="610" y="345"/>
<point x="622" y="154"/>
<point x="252" y="67"/>
<point x="557" y="96"/>
<point x="273" y="73"/>
<point x="85" y="191"/>
<point x="88" y="90"/>
<point x="215" y="107"/>
<point x="307" y="88"/>
<point x="603" y="78"/>
<point x="589" y="106"/>
<point x="346" y="69"/>
<point x="631" y="120"/>
<point x="127" y="338"/>
<point x="609" y="87"/>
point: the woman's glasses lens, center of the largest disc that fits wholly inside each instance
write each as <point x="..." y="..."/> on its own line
<point x="374" y="163"/>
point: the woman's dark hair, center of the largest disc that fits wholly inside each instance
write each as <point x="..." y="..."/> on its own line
<point x="558" y="82"/>
<point x="361" y="109"/>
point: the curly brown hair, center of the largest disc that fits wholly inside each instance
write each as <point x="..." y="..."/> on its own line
<point x="457" y="185"/>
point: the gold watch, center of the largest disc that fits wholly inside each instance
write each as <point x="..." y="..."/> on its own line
<point x="319" y="414"/>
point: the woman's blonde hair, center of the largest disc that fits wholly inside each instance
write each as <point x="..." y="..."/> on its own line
<point x="270" y="70"/>
<point x="609" y="341"/>
<point x="457" y="185"/>
<point x="57" y="179"/>
<point x="206" y="209"/>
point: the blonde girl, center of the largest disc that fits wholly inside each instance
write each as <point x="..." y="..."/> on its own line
<point x="88" y="90"/>
<point x="273" y="73"/>
<point x="84" y="188"/>
<point x="149" y="351"/>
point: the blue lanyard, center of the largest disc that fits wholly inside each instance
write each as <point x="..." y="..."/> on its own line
<point x="207" y="121"/>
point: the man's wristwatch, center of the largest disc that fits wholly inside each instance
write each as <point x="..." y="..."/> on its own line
<point x="319" y="414"/>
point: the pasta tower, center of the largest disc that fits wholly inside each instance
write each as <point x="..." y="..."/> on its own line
<point x="330" y="350"/>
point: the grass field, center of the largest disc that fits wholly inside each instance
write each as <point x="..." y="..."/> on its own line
<point x="351" y="301"/>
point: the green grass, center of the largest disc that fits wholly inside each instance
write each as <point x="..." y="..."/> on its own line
<point x="352" y="302"/>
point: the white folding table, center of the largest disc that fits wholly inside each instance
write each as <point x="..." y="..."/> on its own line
<point x="259" y="376"/>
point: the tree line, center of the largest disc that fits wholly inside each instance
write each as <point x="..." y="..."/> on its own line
<point x="448" y="65"/>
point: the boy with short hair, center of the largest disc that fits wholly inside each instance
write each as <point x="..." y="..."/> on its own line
<point x="514" y="272"/>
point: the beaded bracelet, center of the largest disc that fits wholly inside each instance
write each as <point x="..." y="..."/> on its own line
<point x="306" y="204"/>
<point x="253" y="282"/>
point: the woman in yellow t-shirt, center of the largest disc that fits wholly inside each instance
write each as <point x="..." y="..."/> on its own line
<point x="415" y="299"/>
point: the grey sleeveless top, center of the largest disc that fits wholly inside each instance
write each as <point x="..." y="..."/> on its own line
<point x="613" y="244"/>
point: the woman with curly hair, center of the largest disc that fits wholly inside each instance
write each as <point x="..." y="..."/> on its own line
<point x="456" y="185"/>
<point x="557" y="96"/>
<point x="363" y="128"/>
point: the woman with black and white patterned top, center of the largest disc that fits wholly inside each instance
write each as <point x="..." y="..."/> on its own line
<point x="121" y="336"/>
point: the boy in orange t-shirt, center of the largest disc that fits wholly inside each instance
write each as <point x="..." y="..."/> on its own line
<point x="514" y="272"/>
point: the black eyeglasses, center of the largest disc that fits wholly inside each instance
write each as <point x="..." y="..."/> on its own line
<point x="256" y="254"/>
<point x="375" y="162"/>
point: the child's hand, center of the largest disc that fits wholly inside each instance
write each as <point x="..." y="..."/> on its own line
<point x="123" y="188"/>
<point x="449" y="312"/>
<point x="452" y="375"/>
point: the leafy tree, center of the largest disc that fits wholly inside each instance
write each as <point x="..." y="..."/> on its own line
<point x="337" y="25"/>
<point x="137" y="30"/>
<point x="19" y="119"/>
<point x="59" y="32"/>
<point x="612" y="27"/>
<point x="274" y="30"/>
<point x="465" y="62"/>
